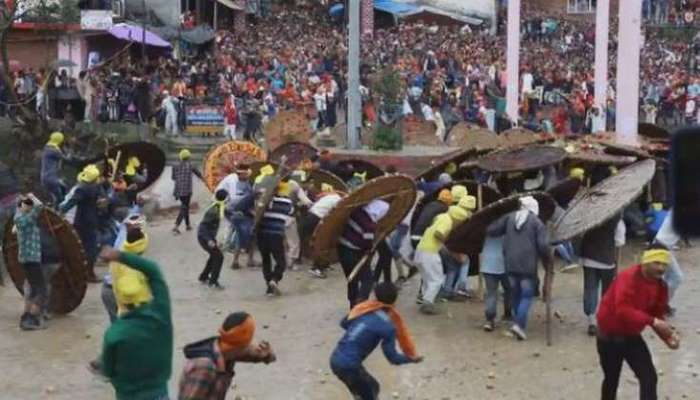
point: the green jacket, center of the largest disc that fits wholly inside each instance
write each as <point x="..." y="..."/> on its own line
<point x="137" y="352"/>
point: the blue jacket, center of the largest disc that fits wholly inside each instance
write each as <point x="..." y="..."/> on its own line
<point x="654" y="219"/>
<point x="279" y="212"/>
<point x="362" y="335"/>
<point x="50" y="164"/>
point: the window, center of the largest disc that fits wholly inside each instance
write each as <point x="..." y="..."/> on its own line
<point x="581" y="6"/>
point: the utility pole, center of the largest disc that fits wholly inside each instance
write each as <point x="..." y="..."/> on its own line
<point x="354" y="101"/>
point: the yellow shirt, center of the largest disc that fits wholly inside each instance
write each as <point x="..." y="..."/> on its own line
<point x="119" y="270"/>
<point x="429" y="243"/>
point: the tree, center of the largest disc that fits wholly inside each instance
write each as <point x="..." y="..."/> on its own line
<point x="30" y="129"/>
<point x="389" y="90"/>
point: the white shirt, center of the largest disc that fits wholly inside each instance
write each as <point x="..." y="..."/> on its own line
<point x="527" y="82"/>
<point x="324" y="205"/>
<point x="229" y="184"/>
<point x="666" y="234"/>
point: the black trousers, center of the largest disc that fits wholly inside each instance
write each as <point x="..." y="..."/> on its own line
<point x="383" y="262"/>
<point x="359" y="382"/>
<point x="361" y="287"/>
<point x="305" y="227"/>
<point x="633" y="350"/>
<point x="212" y="269"/>
<point x="184" y="214"/>
<point x="272" y="246"/>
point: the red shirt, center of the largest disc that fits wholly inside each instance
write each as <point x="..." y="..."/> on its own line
<point x="631" y="303"/>
<point x="231" y="117"/>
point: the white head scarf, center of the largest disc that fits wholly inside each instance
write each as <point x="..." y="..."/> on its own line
<point x="377" y="209"/>
<point x="528" y="205"/>
<point x="445" y="178"/>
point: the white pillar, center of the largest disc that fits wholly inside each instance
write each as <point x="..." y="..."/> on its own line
<point x="628" y="49"/>
<point x="354" y="99"/>
<point x="602" y="28"/>
<point x="513" y="60"/>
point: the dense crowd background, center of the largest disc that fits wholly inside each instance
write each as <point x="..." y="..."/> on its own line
<point x="296" y="58"/>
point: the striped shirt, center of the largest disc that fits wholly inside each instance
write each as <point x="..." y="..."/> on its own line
<point x="359" y="231"/>
<point x="277" y="216"/>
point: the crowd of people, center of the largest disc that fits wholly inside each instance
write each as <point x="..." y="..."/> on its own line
<point x="296" y="58"/>
<point x="137" y="352"/>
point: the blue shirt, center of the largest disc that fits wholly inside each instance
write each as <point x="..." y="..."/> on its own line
<point x="362" y="335"/>
<point x="492" y="261"/>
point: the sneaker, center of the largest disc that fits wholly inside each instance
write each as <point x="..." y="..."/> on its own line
<point x="518" y="332"/>
<point x="216" y="285"/>
<point x="318" y="273"/>
<point x="412" y="271"/>
<point x="592" y="330"/>
<point x="31" y="323"/>
<point x="457" y="298"/>
<point x="235" y="265"/>
<point x="569" y="267"/>
<point x="419" y="300"/>
<point x="489" y="326"/>
<point x="202" y="281"/>
<point x="400" y="281"/>
<point x="269" y="292"/>
<point x="176" y="231"/>
<point x="188" y="228"/>
<point x="467" y="294"/>
<point x="429" y="309"/>
<point x="275" y="289"/>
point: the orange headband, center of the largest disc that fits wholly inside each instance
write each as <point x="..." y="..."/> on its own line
<point x="237" y="337"/>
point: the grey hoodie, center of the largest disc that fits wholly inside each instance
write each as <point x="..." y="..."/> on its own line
<point x="522" y="248"/>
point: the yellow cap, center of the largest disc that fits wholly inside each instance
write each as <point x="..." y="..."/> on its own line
<point x="185" y="154"/>
<point x="577" y="173"/>
<point x="267" y="170"/>
<point x="467" y="202"/>
<point x="459" y="191"/>
<point x="89" y="174"/>
<point x="451" y="168"/>
<point x="445" y="196"/>
<point x="657" y="206"/>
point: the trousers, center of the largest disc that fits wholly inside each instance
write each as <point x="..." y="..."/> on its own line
<point x="212" y="268"/>
<point x="184" y="214"/>
<point x="359" y="288"/>
<point x="491" y="301"/>
<point x="594" y="279"/>
<point x="272" y="246"/>
<point x="359" y="382"/>
<point x="633" y="350"/>
<point x="432" y="273"/>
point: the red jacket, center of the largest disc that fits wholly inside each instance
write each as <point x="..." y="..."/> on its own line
<point x="631" y="303"/>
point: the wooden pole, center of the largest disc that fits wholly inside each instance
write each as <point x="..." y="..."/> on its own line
<point x="513" y="61"/>
<point x="548" y="279"/>
<point x="628" y="50"/>
<point x="602" y="28"/>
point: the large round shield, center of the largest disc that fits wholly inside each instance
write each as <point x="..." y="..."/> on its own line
<point x="222" y="160"/>
<point x="592" y="207"/>
<point x="434" y="171"/>
<point x="398" y="190"/>
<point x="517" y="137"/>
<point x="318" y="177"/>
<point x="597" y="157"/>
<point x="287" y="126"/>
<point x="151" y="157"/>
<point x="468" y="237"/>
<point x="346" y="168"/>
<point x="652" y="131"/>
<point x="466" y="137"/>
<point x="485" y="195"/>
<point x="296" y="152"/>
<point x="564" y="191"/>
<point x="522" y="159"/>
<point x="619" y="149"/>
<point x="68" y="284"/>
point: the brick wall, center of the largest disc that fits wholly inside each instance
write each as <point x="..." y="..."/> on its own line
<point x="30" y="49"/>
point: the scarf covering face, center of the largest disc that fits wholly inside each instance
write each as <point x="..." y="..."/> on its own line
<point x="402" y="334"/>
<point x="656" y="255"/>
<point x="362" y="177"/>
<point x="55" y="140"/>
<point x="221" y="204"/>
<point x="185" y="154"/>
<point x="377" y="209"/>
<point x="238" y="337"/>
<point x="130" y="286"/>
<point x="89" y="174"/>
<point x="131" y="166"/>
<point x="528" y="204"/>
<point x="267" y="170"/>
<point x="445" y="196"/>
<point x="458" y="191"/>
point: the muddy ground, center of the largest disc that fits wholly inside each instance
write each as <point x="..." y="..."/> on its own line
<point x="461" y="361"/>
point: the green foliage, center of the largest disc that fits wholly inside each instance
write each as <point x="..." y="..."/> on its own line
<point x="389" y="87"/>
<point x="386" y="138"/>
<point x="52" y="12"/>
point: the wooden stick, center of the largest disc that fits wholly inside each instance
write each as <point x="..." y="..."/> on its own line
<point x="548" y="278"/>
<point x="356" y="269"/>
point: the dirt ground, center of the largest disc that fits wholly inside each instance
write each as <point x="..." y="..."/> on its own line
<point x="461" y="361"/>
